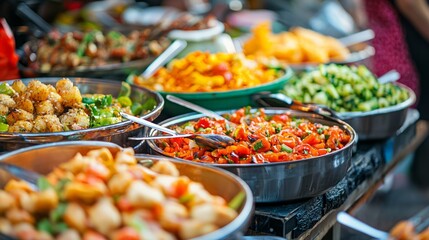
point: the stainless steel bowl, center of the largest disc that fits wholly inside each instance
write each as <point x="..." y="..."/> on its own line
<point x="117" y="133"/>
<point x="275" y="182"/>
<point x="43" y="158"/>
<point x="380" y="123"/>
<point x="371" y="125"/>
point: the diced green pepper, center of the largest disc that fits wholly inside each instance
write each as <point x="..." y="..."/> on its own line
<point x="286" y="148"/>
<point x="6" y="89"/>
<point x="125" y="101"/>
<point x="43" y="184"/>
<point x="4" y="127"/>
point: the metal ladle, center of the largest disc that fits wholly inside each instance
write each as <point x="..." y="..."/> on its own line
<point x="212" y="141"/>
<point x="360" y="226"/>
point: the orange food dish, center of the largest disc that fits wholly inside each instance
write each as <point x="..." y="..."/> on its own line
<point x="299" y="45"/>
<point x="104" y="196"/>
<point x="260" y="138"/>
<point x="209" y="72"/>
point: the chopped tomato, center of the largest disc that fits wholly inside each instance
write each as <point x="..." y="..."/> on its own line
<point x="261" y="145"/>
<point x="98" y="170"/>
<point x="124" y="205"/>
<point x="242" y="150"/>
<point x="322" y="151"/>
<point x="259" y="139"/>
<point x="126" y="233"/>
<point x="202" y="123"/>
<point x="281" y="118"/>
<point x="240" y="134"/>
<point x="311" y="139"/>
<point x="92" y="235"/>
<point x="180" y="186"/>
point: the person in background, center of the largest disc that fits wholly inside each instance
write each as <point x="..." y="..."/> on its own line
<point x="402" y="42"/>
<point x="414" y="18"/>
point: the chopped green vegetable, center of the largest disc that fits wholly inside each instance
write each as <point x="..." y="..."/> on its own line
<point x="58" y="212"/>
<point x="43" y="184"/>
<point x="344" y="89"/>
<point x="141" y="227"/>
<point x="4" y="127"/>
<point x="149" y="104"/>
<point x="99" y="100"/>
<point x="44" y="225"/>
<point x="114" y="35"/>
<point x="3" y="119"/>
<point x="136" y="108"/>
<point x="237" y="201"/>
<point x="258" y="145"/>
<point x="186" y="198"/>
<point x="87" y="38"/>
<point x="125" y="90"/>
<point x="125" y="101"/>
<point x="286" y="148"/>
<point x="6" y="89"/>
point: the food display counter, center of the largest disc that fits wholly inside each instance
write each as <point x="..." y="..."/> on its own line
<point x="313" y="218"/>
<point x="291" y="129"/>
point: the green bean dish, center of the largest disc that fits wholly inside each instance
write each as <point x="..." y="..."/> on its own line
<point x="344" y="89"/>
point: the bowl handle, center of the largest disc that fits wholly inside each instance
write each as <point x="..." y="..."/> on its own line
<point x="267" y="99"/>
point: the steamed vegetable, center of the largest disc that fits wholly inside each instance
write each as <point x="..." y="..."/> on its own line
<point x="344" y="89"/>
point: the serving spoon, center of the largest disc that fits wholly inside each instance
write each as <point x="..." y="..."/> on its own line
<point x="360" y="226"/>
<point x="212" y="141"/>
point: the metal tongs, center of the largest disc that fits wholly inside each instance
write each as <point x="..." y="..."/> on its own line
<point x="267" y="99"/>
<point x="212" y="141"/>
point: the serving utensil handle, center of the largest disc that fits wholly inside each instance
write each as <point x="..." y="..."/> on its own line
<point x="267" y="99"/>
<point x="148" y="124"/>
<point x="175" y="48"/>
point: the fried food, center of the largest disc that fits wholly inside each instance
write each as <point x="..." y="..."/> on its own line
<point x="299" y="45"/>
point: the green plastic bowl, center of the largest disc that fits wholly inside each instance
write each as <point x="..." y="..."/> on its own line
<point x="223" y="100"/>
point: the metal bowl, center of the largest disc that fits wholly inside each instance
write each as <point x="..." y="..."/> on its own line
<point x="380" y="123"/>
<point x="43" y="158"/>
<point x="371" y="125"/>
<point x="285" y="181"/>
<point x="115" y="70"/>
<point x="226" y="99"/>
<point x="117" y="133"/>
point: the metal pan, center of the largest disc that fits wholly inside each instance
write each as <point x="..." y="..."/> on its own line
<point x="115" y="70"/>
<point x="116" y="133"/>
<point x="285" y="181"/>
<point x="43" y="158"/>
<point x="371" y="125"/>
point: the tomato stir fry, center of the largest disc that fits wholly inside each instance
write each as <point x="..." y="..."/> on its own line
<point x="260" y="138"/>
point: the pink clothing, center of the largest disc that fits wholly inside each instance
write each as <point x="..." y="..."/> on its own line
<point x="390" y="46"/>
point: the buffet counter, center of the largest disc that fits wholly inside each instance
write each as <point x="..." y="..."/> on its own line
<point x="313" y="218"/>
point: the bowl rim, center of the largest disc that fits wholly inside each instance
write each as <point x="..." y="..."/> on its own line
<point x="76" y="80"/>
<point x="242" y="218"/>
<point x="198" y="35"/>
<point x="192" y="116"/>
<point x="228" y="93"/>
